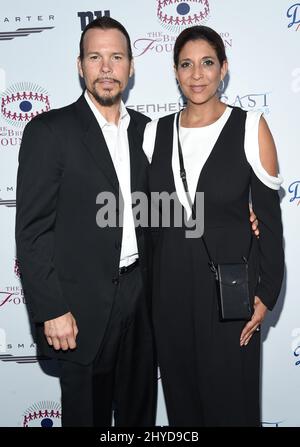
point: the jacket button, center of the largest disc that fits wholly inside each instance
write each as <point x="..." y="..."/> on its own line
<point x="115" y="281"/>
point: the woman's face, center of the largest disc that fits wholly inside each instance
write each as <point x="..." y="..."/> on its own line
<point x="199" y="71"/>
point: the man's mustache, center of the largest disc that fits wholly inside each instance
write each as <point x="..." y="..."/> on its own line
<point x="107" y="79"/>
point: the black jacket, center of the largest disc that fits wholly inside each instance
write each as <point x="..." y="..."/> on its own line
<point x="67" y="262"/>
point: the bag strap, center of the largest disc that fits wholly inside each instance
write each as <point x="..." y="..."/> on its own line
<point x="185" y="185"/>
<point x="192" y="205"/>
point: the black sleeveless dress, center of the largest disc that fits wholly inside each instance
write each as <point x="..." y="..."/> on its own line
<point x="207" y="378"/>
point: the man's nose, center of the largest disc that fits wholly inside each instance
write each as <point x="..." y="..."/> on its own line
<point x="106" y="66"/>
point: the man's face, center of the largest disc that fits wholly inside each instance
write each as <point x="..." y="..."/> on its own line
<point x="105" y="66"/>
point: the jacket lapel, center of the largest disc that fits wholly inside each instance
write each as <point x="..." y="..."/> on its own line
<point x="135" y="144"/>
<point x="94" y="142"/>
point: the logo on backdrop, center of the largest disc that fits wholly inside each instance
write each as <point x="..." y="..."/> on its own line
<point x="88" y="16"/>
<point x="294" y="190"/>
<point x="23" y="101"/>
<point x="43" y="414"/>
<point x="158" y="108"/>
<point x="8" y="201"/>
<point x="249" y="101"/>
<point x="11" y="296"/>
<point x="296" y="345"/>
<point x="28" y="347"/>
<point x="9" y="358"/>
<point x="297" y="354"/>
<point x="293" y="13"/>
<point x="175" y="15"/>
<point x="9" y="138"/>
<point x="22" y="29"/>
<point x="22" y="32"/>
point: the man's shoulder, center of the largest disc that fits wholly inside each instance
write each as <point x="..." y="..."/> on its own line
<point x="55" y="116"/>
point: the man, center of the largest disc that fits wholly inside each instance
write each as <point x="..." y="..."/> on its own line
<point x="86" y="286"/>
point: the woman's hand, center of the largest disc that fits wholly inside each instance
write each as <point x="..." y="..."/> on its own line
<point x="254" y="222"/>
<point x="259" y="314"/>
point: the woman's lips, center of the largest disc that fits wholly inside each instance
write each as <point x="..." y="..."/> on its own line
<point x="197" y="88"/>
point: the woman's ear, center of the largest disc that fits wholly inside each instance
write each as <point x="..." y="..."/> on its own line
<point x="176" y="75"/>
<point x="224" y="69"/>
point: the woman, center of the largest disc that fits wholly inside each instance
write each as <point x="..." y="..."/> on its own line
<point x="210" y="369"/>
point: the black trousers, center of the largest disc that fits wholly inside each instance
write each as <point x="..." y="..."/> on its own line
<point x="121" y="381"/>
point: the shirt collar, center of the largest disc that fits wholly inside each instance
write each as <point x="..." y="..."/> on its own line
<point x="124" y="115"/>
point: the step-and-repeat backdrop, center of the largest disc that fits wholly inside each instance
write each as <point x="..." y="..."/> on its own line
<point x="39" y="47"/>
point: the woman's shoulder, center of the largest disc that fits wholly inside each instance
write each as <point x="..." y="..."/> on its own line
<point x="151" y="127"/>
<point x="260" y="150"/>
<point x="237" y="110"/>
<point x="159" y="124"/>
<point x="252" y="117"/>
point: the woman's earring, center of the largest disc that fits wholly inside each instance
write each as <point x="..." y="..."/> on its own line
<point x="221" y="86"/>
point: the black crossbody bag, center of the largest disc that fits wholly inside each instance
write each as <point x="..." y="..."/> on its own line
<point x="231" y="279"/>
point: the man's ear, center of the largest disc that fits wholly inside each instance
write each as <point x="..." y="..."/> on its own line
<point x="131" y="71"/>
<point x="79" y="67"/>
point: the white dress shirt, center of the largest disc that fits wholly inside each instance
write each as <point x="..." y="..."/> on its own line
<point x="116" y="139"/>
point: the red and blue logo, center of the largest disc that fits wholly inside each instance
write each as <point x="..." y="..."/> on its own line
<point x="175" y="15"/>
<point x="23" y="101"/>
<point x="43" y="414"/>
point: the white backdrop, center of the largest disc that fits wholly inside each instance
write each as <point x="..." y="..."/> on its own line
<point x="39" y="47"/>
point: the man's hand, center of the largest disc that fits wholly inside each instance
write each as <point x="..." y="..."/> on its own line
<point x="61" y="332"/>
<point x="259" y="314"/>
<point x="254" y="222"/>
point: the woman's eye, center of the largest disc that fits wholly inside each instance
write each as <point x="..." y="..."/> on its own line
<point x="185" y="64"/>
<point x="208" y="62"/>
